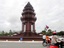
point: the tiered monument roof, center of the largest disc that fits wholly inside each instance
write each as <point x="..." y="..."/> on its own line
<point x="28" y="7"/>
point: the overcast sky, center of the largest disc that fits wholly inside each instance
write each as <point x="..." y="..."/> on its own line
<point x="48" y="12"/>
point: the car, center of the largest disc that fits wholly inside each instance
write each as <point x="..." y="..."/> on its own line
<point x="62" y="39"/>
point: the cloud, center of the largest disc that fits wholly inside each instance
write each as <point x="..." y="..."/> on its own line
<point x="48" y="12"/>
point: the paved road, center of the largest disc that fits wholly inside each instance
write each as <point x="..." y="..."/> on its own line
<point x="21" y="45"/>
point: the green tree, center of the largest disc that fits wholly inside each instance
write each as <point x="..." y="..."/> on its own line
<point x="49" y="32"/>
<point x="6" y="34"/>
<point x="61" y="33"/>
<point x="43" y="32"/>
<point x="10" y="32"/>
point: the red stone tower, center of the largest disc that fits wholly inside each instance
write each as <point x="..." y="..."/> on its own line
<point x="28" y="20"/>
<point x="28" y="32"/>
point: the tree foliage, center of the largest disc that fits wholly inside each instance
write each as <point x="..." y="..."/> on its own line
<point x="49" y="32"/>
<point x="61" y="33"/>
<point x="6" y="33"/>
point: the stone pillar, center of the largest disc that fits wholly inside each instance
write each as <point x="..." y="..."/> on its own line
<point x="27" y="27"/>
<point x="22" y="27"/>
<point x="34" y="27"/>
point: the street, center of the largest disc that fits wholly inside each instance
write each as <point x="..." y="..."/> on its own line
<point x="21" y="45"/>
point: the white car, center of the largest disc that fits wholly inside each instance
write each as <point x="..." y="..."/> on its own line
<point x="62" y="39"/>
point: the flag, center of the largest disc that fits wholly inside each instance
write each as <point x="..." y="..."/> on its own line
<point x="47" y="27"/>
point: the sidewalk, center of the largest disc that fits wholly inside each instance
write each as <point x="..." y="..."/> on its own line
<point x="23" y="41"/>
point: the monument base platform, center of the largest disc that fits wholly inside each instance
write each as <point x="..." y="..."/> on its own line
<point x="23" y="37"/>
